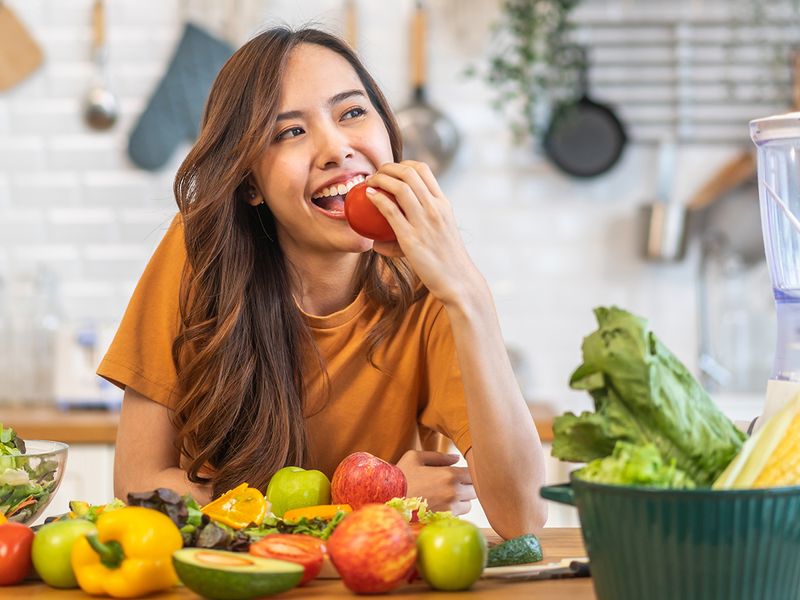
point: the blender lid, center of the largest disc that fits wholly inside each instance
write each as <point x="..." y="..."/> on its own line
<point x="776" y="127"/>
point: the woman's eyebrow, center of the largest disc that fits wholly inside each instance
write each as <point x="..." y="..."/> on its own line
<point x="340" y="97"/>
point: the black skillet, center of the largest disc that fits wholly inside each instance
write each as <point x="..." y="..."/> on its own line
<point x="584" y="138"/>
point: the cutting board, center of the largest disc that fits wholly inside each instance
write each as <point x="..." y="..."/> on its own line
<point x="508" y="573"/>
<point x="20" y="55"/>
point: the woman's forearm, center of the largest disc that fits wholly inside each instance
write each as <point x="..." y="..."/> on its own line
<point x="506" y="458"/>
<point x="173" y="478"/>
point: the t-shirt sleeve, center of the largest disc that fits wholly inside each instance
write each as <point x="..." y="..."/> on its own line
<point x="140" y="356"/>
<point x="444" y="409"/>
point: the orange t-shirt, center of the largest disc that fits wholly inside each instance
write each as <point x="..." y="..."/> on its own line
<point x="386" y="413"/>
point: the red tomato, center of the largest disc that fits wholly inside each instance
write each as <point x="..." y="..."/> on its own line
<point x="15" y="552"/>
<point x="364" y="217"/>
<point x="298" y="548"/>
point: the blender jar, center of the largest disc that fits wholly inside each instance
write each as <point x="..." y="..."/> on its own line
<point x="778" y="141"/>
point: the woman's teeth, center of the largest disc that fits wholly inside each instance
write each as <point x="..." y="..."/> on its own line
<point x="338" y="189"/>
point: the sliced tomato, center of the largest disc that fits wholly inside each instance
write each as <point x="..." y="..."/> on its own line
<point x="298" y="548"/>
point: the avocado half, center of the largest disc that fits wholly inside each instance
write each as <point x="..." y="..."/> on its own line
<point x="221" y="575"/>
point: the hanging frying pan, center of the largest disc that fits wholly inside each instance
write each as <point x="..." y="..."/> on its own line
<point x="585" y="138"/>
<point x="428" y="135"/>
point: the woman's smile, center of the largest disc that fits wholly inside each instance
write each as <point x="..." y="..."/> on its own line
<point x="329" y="199"/>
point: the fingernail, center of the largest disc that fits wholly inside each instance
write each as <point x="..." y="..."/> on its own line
<point x="371" y="191"/>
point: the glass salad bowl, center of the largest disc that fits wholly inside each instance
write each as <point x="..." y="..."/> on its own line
<point x="29" y="480"/>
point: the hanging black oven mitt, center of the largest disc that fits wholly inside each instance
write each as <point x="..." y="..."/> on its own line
<point x="174" y="111"/>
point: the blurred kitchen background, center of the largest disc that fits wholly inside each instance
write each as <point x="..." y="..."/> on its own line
<point x="81" y="211"/>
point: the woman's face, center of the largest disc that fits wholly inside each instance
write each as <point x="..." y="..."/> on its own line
<point x="328" y="133"/>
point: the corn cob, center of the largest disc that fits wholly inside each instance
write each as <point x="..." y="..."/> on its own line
<point x="771" y="458"/>
<point x="783" y="466"/>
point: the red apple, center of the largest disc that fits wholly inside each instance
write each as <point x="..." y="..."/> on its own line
<point x="362" y="478"/>
<point x="373" y="549"/>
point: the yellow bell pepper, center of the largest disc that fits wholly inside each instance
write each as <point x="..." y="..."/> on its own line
<point x="129" y="556"/>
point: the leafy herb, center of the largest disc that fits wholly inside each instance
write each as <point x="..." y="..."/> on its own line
<point x="532" y="59"/>
<point x="90" y="512"/>
<point x="635" y="465"/>
<point x="316" y="527"/>
<point x="219" y="535"/>
<point x="409" y="506"/>
<point x="643" y="395"/>
<point x="183" y="510"/>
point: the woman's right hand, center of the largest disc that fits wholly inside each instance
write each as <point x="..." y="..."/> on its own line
<point x="432" y="475"/>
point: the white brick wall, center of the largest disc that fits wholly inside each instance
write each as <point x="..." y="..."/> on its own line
<point x="552" y="248"/>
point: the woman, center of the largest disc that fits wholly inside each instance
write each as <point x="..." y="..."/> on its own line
<point x="265" y="332"/>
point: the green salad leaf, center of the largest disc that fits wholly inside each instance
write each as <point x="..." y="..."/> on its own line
<point x="407" y="507"/>
<point x="635" y="465"/>
<point x="25" y="482"/>
<point x="316" y="527"/>
<point x="643" y="395"/>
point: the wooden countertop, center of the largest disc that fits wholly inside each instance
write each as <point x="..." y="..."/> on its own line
<point x="556" y="544"/>
<point x="68" y="426"/>
<point x="100" y="426"/>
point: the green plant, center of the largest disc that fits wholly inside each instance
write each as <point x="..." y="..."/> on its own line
<point x="532" y="62"/>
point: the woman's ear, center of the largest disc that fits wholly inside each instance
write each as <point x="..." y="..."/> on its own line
<point x="253" y="195"/>
<point x="251" y="191"/>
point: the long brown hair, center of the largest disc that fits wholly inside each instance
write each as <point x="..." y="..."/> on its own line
<point x="242" y="348"/>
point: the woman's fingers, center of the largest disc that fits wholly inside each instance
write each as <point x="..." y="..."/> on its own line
<point x="427" y="176"/>
<point x="397" y="220"/>
<point x="405" y="194"/>
<point x="460" y="508"/>
<point x="438" y="459"/>
<point x="465" y="492"/>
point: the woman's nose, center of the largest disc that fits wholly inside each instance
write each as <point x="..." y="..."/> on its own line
<point x="333" y="147"/>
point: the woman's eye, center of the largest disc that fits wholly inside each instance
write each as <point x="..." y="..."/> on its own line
<point x="289" y="133"/>
<point x="354" y="112"/>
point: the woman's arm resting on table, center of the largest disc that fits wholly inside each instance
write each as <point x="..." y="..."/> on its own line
<point x="506" y="459"/>
<point x="146" y="457"/>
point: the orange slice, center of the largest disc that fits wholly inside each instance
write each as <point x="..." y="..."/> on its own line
<point x="238" y="507"/>
<point x="323" y="511"/>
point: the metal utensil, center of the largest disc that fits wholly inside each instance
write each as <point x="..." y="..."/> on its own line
<point x="100" y="106"/>
<point x="566" y="568"/>
<point x="665" y="238"/>
<point x="428" y="135"/>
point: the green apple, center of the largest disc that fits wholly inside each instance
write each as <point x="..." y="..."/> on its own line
<point x="293" y="487"/>
<point x="52" y="549"/>
<point x="451" y="554"/>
